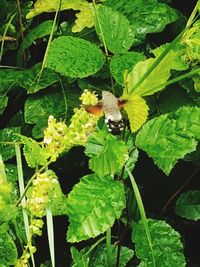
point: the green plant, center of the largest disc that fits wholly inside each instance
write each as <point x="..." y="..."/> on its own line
<point x="103" y="49"/>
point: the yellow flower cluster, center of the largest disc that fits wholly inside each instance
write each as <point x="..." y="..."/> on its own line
<point x="88" y="98"/>
<point x="58" y="137"/>
<point x="38" y="199"/>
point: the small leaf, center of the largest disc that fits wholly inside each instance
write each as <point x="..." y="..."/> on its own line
<point x="120" y="63"/>
<point x="74" y="57"/>
<point x="170" y="136"/>
<point x="3" y="103"/>
<point x="35" y="154"/>
<point x="99" y="257"/>
<point x="114" y="28"/>
<point x="8" y="138"/>
<point x="167" y="247"/>
<point x="137" y="111"/>
<point x="79" y="259"/>
<point x="107" y="153"/>
<point x="93" y="205"/>
<point x="41" y="30"/>
<point x="154" y="82"/>
<point x="188" y="205"/>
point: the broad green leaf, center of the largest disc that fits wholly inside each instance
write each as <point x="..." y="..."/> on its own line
<point x="11" y="172"/>
<point x="99" y="257"/>
<point x="154" y="82"/>
<point x="85" y="18"/>
<point x="41" y="30"/>
<point x="74" y="57"/>
<point x="137" y="111"/>
<point x="120" y="63"/>
<point x="197" y="83"/>
<point x="79" y="259"/>
<point x="3" y="103"/>
<point x="167" y="247"/>
<point x="35" y="155"/>
<point x="32" y="82"/>
<point x="180" y="62"/>
<point x="172" y="99"/>
<point x="93" y="205"/>
<point x="170" y="136"/>
<point x="8" y="139"/>
<point x="145" y="16"/>
<point x="8" y="78"/>
<point x="188" y="205"/>
<point x="114" y="28"/>
<point x="107" y="153"/>
<point x="8" y="250"/>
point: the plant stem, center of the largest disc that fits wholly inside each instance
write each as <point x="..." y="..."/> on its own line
<point x="30" y="181"/>
<point x="142" y="213"/>
<point x="108" y="247"/>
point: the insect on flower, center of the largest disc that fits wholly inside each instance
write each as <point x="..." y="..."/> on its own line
<point x="110" y="106"/>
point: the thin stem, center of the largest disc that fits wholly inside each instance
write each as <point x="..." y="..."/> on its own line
<point x="21" y="28"/>
<point x="100" y="28"/>
<point x="64" y="96"/>
<point x="95" y="245"/>
<point x="119" y="245"/>
<point x="142" y="213"/>
<point x="179" y="190"/>
<point x="4" y="34"/>
<point x="108" y="247"/>
<point x="30" y="181"/>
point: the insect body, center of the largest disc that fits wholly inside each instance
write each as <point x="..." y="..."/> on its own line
<point x="110" y="106"/>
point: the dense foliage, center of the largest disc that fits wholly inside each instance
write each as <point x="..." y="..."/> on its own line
<point x="59" y="157"/>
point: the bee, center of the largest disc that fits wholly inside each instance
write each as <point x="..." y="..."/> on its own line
<point x="110" y="106"/>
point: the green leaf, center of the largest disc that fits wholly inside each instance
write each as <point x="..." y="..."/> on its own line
<point x="188" y="205"/>
<point x="8" y="250"/>
<point x="120" y="63"/>
<point x="35" y="154"/>
<point x="167" y="247"/>
<point x="130" y="164"/>
<point x="39" y="106"/>
<point x="74" y="57"/>
<point x="114" y="28"/>
<point x="154" y="82"/>
<point x="107" y="153"/>
<point x="41" y="30"/>
<point x="32" y="82"/>
<point x="80" y="260"/>
<point x="8" y="137"/>
<point x="3" y="103"/>
<point x="99" y="257"/>
<point x="172" y="99"/>
<point x="93" y="205"/>
<point x="179" y="63"/>
<point x="8" y="78"/>
<point x="170" y="136"/>
<point x="145" y="16"/>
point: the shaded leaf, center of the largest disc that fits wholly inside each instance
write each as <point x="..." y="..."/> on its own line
<point x="33" y="82"/>
<point x="79" y="259"/>
<point x="107" y="153"/>
<point x="145" y="16"/>
<point x="170" y="136"/>
<point x="137" y="111"/>
<point x="167" y="247"/>
<point x="41" y="30"/>
<point x="188" y="205"/>
<point x="114" y="28"/>
<point x="120" y="63"/>
<point x="74" y="57"/>
<point x="3" y="103"/>
<point x="99" y="257"/>
<point x="8" y="250"/>
<point x="93" y="205"/>
<point x="7" y="145"/>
